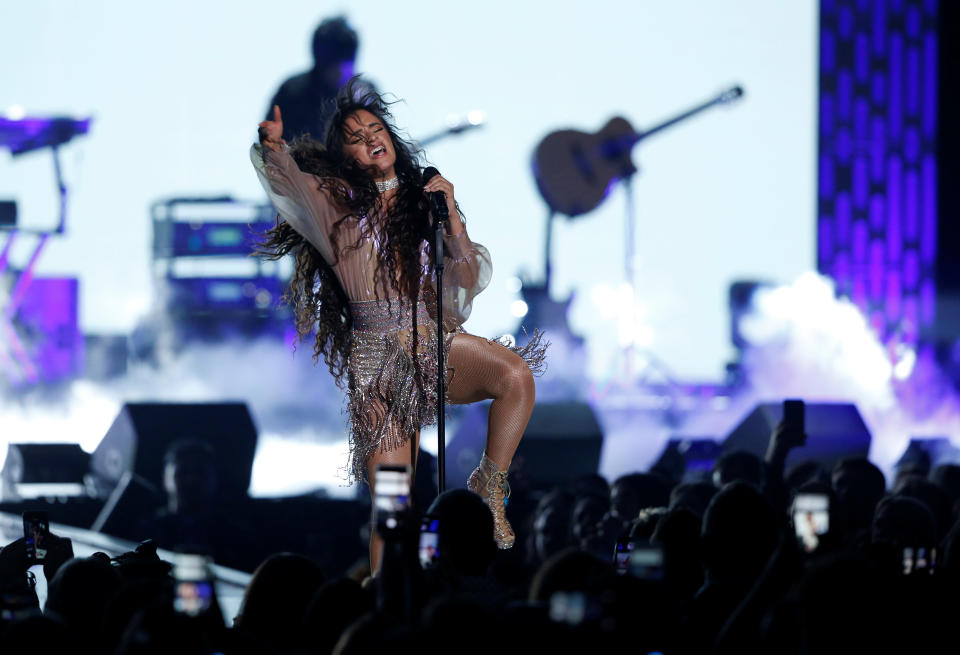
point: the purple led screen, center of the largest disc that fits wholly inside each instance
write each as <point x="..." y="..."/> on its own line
<point x="48" y="319"/>
<point x="877" y="224"/>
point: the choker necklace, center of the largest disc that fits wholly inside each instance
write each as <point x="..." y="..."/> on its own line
<point x="392" y="183"/>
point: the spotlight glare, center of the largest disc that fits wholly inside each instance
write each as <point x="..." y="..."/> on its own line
<point x="643" y="336"/>
<point x="519" y="308"/>
<point x="903" y="368"/>
<point x="476" y="117"/>
<point x="263" y="299"/>
<point x="514" y="284"/>
<point x="606" y="301"/>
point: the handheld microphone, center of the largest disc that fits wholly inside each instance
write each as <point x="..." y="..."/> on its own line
<point x="437" y="198"/>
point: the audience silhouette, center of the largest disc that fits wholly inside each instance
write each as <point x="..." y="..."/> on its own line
<point x="661" y="560"/>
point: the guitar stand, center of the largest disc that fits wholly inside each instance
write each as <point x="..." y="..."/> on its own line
<point x="626" y="376"/>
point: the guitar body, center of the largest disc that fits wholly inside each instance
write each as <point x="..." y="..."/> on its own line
<point x="545" y="314"/>
<point x="575" y="170"/>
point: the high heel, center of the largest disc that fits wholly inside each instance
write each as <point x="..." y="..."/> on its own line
<point x="491" y="484"/>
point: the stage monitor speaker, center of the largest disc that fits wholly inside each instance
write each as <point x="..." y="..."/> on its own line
<point x="34" y="470"/>
<point x="562" y="442"/>
<point x="128" y="508"/>
<point x="142" y="432"/>
<point x="834" y="431"/>
<point x="926" y="453"/>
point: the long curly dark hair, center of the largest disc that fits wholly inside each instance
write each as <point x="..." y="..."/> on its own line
<point x="318" y="300"/>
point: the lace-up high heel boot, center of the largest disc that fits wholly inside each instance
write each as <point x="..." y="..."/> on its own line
<point x="491" y="485"/>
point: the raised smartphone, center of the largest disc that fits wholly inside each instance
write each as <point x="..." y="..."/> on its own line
<point x="428" y="541"/>
<point x="621" y="556"/>
<point x="193" y="584"/>
<point x="811" y="519"/>
<point x="919" y="561"/>
<point x="646" y="562"/>
<point x="795" y="413"/>
<point x="36" y="534"/>
<point x="391" y="502"/>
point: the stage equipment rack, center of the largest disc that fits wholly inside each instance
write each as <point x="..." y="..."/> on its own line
<point x="208" y="281"/>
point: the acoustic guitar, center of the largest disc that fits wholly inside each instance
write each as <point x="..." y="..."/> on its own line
<point x="576" y="170"/>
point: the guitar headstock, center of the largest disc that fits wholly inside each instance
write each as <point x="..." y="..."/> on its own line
<point x="731" y="94"/>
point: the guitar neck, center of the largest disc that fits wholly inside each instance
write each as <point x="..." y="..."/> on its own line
<point x="724" y="98"/>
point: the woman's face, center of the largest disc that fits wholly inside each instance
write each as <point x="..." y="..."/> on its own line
<point x="367" y="142"/>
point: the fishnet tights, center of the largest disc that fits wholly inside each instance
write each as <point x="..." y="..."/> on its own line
<point x="482" y="370"/>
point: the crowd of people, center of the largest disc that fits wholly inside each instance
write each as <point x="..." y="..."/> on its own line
<point x="654" y="561"/>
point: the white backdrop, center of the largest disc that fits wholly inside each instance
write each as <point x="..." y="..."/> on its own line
<point x="176" y="90"/>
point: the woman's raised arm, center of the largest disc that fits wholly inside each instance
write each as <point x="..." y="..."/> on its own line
<point x="297" y="196"/>
<point x="271" y="132"/>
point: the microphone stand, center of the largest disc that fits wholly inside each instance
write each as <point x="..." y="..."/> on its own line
<point x="439" y="223"/>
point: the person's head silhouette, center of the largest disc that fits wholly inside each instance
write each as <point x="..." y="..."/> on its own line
<point x="740" y="532"/>
<point x="190" y="477"/>
<point x="335" y="46"/>
<point x="465" y="542"/>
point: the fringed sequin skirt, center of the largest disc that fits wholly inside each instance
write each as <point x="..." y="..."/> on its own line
<point x="393" y="375"/>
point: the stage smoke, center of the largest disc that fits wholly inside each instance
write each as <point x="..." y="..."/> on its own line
<point x="805" y="342"/>
<point x="295" y="406"/>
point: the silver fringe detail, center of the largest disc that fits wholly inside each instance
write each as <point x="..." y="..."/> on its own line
<point x="533" y="352"/>
<point x="392" y="391"/>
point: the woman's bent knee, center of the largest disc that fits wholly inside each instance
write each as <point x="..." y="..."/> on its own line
<point x="518" y="380"/>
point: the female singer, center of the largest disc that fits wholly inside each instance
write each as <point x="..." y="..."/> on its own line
<point x="356" y="217"/>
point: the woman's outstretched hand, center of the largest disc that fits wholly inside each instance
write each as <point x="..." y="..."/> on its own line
<point x="271" y="132"/>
